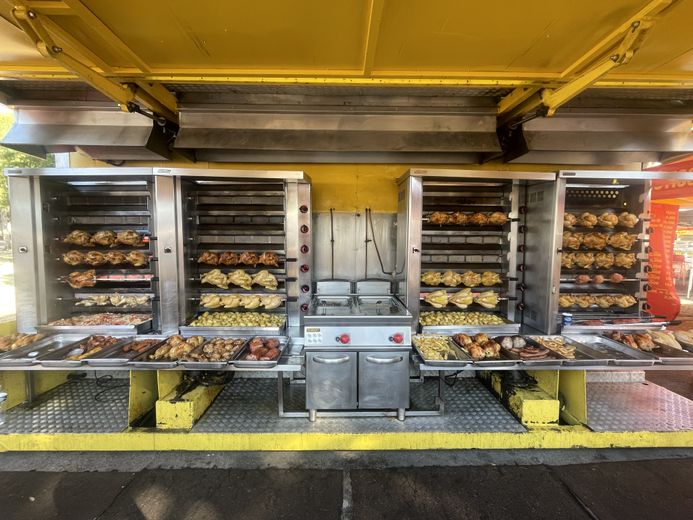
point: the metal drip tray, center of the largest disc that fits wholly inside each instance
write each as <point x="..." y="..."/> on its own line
<point x="379" y="306"/>
<point x="332" y="306"/>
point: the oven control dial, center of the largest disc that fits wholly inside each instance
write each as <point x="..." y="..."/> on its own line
<point x="343" y="339"/>
<point x="397" y="338"/>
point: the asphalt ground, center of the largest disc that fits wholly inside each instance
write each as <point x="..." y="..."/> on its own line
<point x="633" y="489"/>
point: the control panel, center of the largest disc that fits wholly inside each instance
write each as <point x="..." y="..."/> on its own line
<point x="356" y="336"/>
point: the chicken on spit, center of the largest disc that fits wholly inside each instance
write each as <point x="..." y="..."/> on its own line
<point x="94" y="258"/>
<point x="437" y="299"/>
<point x="616" y="278"/>
<point x="78" y="238"/>
<point x="566" y="300"/>
<point x="271" y="301"/>
<point x="248" y="258"/>
<point x="604" y="301"/>
<point x="462" y="299"/>
<point x="439" y="217"/>
<point x="587" y="220"/>
<point x="624" y="301"/>
<point x="569" y="220"/>
<point x="487" y="299"/>
<point x="104" y="238"/>
<point x="269" y="259"/>
<point x="459" y="218"/>
<point x="432" y="278"/>
<point x="137" y="259"/>
<point x="622" y="240"/>
<point x="208" y="257"/>
<point x="582" y="279"/>
<point x="240" y="278"/>
<point x="211" y="301"/>
<point x="607" y="220"/>
<point x="626" y="260"/>
<point x="497" y="218"/>
<point x="479" y="219"/>
<point x="471" y="279"/>
<point x="595" y="241"/>
<point x="568" y="260"/>
<point x="73" y="258"/>
<point x="231" y="301"/>
<point x="228" y="258"/>
<point x="215" y="277"/>
<point x="250" y="301"/>
<point x="598" y="279"/>
<point x="488" y="279"/>
<point x="116" y="258"/>
<point x="265" y="279"/>
<point x="628" y="220"/>
<point x="130" y="238"/>
<point x="583" y="300"/>
<point x="451" y="279"/>
<point x="604" y="260"/>
<point x="79" y="279"/>
<point x="572" y="240"/>
<point x="584" y="260"/>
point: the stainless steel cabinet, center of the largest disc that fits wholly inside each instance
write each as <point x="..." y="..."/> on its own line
<point x="331" y="380"/>
<point x="384" y="379"/>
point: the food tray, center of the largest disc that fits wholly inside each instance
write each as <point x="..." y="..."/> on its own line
<point x="211" y="365"/>
<point x="584" y="356"/>
<point x="488" y="363"/>
<point x="508" y="328"/>
<point x="685" y="344"/>
<point x="115" y="356"/>
<point x="554" y="359"/>
<point x="187" y="331"/>
<point x="28" y="355"/>
<point x="99" y="330"/>
<point x="141" y="360"/>
<point x="240" y="363"/>
<point x="56" y="358"/>
<point x="464" y="360"/>
<point x="672" y="356"/>
<point x="617" y="353"/>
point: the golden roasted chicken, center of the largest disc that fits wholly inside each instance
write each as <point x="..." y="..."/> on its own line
<point x="462" y="299"/>
<point x="217" y="278"/>
<point x="228" y="258"/>
<point x="78" y="238"/>
<point x="568" y="260"/>
<point x="569" y="220"/>
<point x="622" y="240"/>
<point x="460" y="219"/>
<point x="79" y="279"/>
<point x="572" y="240"/>
<point x="587" y="220"/>
<point x="627" y="220"/>
<point x="584" y="260"/>
<point x="130" y="238"/>
<point x="497" y="218"/>
<point x="487" y="299"/>
<point x="451" y="279"/>
<point x="269" y="259"/>
<point x="73" y="258"/>
<point x="104" y="238"/>
<point x="626" y="260"/>
<point x="95" y="258"/>
<point x="265" y="279"/>
<point x="604" y="260"/>
<point x="595" y="241"/>
<point x="488" y="279"/>
<point x="471" y="279"/>
<point x="432" y="278"/>
<point x="240" y="278"/>
<point x="271" y="301"/>
<point x="137" y="258"/>
<point x="479" y="219"/>
<point x="437" y="299"/>
<point x="439" y="217"/>
<point x="208" y="257"/>
<point x="248" y="258"/>
<point x="607" y="220"/>
<point x="116" y="258"/>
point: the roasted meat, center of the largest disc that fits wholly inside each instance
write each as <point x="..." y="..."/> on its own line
<point x="624" y="301"/>
<point x="129" y="238"/>
<point x="439" y="217"/>
<point x="248" y="258"/>
<point x="431" y="278"/>
<point x="584" y="260"/>
<point x="616" y="278"/>
<point x="622" y="240"/>
<point x="479" y="219"/>
<point x="460" y="219"/>
<point x="583" y="300"/>
<point x="471" y="279"/>
<point x="626" y="260"/>
<point x="208" y="257"/>
<point x="265" y="279"/>
<point x="604" y="301"/>
<point x="104" y="238"/>
<point x="271" y="301"/>
<point x="569" y="220"/>
<point x="231" y="301"/>
<point x="598" y="279"/>
<point x="568" y="260"/>
<point x="582" y="279"/>
<point x="116" y="258"/>
<point x="251" y="301"/>
<point x="79" y="279"/>
<point x="228" y="258"/>
<point x="240" y="278"/>
<point x="437" y="299"/>
<point x="94" y="258"/>
<point x="487" y="299"/>
<point x="488" y="279"/>
<point x="78" y="238"/>
<point x="497" y="218"/>
<point x="451" y="279"/>
<point x="462" y="299"/>
<point x="587" y="220"/>
<point x="627" y="220"/>
<point x="137" y="259"/>
<point x="595" y="241"/>
<point x="607" y="220"/>
<point x="604" y="260"/>
<point x="572" y="240"/>
<point x="566" y="300"/>
<point x="211" y="301"/>
<point x="215" y="277"/>
<point x="73" y="258"/>
<point x="269" y="259"/>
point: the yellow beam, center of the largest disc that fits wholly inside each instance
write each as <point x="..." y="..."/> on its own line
<point x="49" y="7"/>
<point x="573" y="393"/>
<point x="69" y="41"/>
<point x="15" y="383"/>
<point x="143" y="393"/>
<point x="375" y="16"/>
<point x="182" y="413"/>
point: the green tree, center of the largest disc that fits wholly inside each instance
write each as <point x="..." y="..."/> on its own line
<point x="13" y="159"/>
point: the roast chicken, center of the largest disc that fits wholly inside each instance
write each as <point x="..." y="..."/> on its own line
<point x="488" y="279"/>
<point x="431" y="278"/>
<point x="248" y="258"/>
<point x="116" y="258"/>
<point x="598" y="279"/>
<point x="568" y="260"/>
<point x="616" y="278"/>
<point x="439" y="217"/>
<point x="584" y="260"/>
<point x="471" y="279"/>
<point x="462" y="299"/>
<point x="604" y="260"/>
<point x="587" y="220"/>
<point x="217" y="278"/>
<point x="240" y="278"/>
<point x="572" y="240"/>
<point x="73" y="258"/>
<point x="437" y="299"/>
<point x="79" y="279"/>
<point x="497" y="218"/>
<point x="487" y="299"/>
<point x="271" y="301"/>
<point x="595" y="241"/>
<point x="250" y="301"/>
<point x="627" y="220"/>
<point x="460" y="219"/>
<point x="269" y="259"/>
<point x="569" y="220"/>
<point x="624" y="301"/>
<point x="451" y="279"/>
<point x="231" y="301"/>
<point x="137" y="259"/>
<point x="607" y="220"/>
<point x="94" y="258"/>
<point x="211" y="301"/>
<point x="626" y="260"/>
<point x="479" y="219"/>
<point x="129" y="238"/>
<point x="104" y="238"/>
<point x="265" y="279"/>
<point x="208" y="257"/>
<point x="78" y="238"/>
<point x="622" y="240"/>
<point x="582" y="279"/>
<point x="228" y="258"/>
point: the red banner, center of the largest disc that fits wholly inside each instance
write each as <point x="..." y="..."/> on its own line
<point x="671" y="189"/>
<point x="662" y="296"/>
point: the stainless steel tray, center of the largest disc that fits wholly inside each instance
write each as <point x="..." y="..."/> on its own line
<point x="141" y="360"/>
<point x="672" y="356"/>
<point x="554" y="359"/>
<point x="488" y="363"/>
<point x="56" y="358"/>
<point x="506" y="329"/>
<point x="188" y="331"/>
<point x="584" y="356"/>
<point x="211" y="365"/>
<point x="240" y="363"/>
<point x="28" y="355"/>
<point x="116" y="357"/>
<point x="617" y="353"/>
<point x="101" y="330"/>
<point x="464" y="360"/>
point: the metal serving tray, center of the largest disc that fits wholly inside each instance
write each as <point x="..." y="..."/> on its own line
<point x="584" y="356"/>
<point x="672" y="356"/>
<point x="141" y="360"/>
<point x="115" y="356"/>
<point x="28" y="355"/>
<point x="554" y="359"/>
<point x="211" y="365"/>
<point x="240" y="363"/>
<point x="464" y="360"/>
<point x="188" y="331"/>
<point x="488" y="363"/>
<point x="508" y="328"/>
<point x="100" y="330"/>
<point x="57" y="358"/>
<point x="617" y="353"/>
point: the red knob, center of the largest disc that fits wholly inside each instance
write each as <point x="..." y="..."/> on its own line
<point x="397" y="338"/>
<point x="304" y="229"/>
<point x="303" y="209"/>
<point x="305" y="268"/>
<point x="305" y="288"/>
<point x="304" y="307"/>
<point x="344" y="339"/>
<point x="304" y="249"/>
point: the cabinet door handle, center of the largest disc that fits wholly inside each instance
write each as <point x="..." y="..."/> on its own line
<point x="331" y="361"/>
<point x="384" y="361"/>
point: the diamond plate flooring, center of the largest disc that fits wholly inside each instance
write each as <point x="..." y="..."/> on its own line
<point x="249" y="405"/>
<point x="624" y="407"/>
<point x="80" y="406"/>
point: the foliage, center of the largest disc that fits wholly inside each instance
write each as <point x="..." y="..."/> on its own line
<point x="13" y="159"/>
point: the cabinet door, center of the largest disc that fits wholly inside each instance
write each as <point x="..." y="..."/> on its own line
<point x="331" y="380"/>
<point x="384" y="379"/>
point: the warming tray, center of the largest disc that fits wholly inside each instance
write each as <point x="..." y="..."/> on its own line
<point x="584" y="355"/>
<point x="188" y="331"/>
<point x="240" y="363"/>
<point x="211" y="365"/>
<point x="508" y="328"/>
<point x="141" y="360"/>
<point x="502" y="362"/>
<point x="57" y="358"/>
<point x="115" y="356"/>
<point x="27" y="355"/>
<point x="618" y="353"/>
<point x="101" y="330"/>
<point x="463" y="361"/>
<point x="672" y="356"/>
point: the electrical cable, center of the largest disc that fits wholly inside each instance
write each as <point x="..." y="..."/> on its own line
<point x="369" y="216"/>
